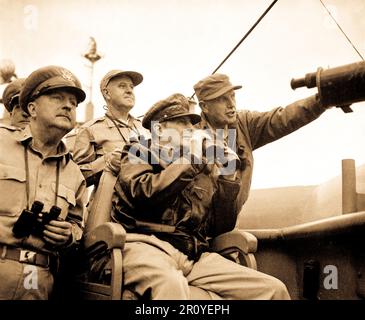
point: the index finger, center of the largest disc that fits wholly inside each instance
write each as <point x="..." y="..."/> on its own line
<point x="60" y="224"/>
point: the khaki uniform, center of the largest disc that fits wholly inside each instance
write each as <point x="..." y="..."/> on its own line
<point x="255" y="129"/>
<point x="170" y="269"/>
<point x="181" y="203"/>
<point x="42" y="185"/>
<point x="170" y="212"/>
<point x="98" y="137"/>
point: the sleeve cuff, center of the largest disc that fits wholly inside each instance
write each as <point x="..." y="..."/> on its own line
<point x="76" y="235"/>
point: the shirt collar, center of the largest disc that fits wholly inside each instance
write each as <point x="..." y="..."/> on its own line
<point x="121" y="123"/>
<point x="25" y="137"/>
<point x="204" y="124"/>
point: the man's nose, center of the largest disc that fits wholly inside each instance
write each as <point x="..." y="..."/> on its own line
<point x="129" y="89"/>
<point x="67" y="105"/>
<point x="231" y="103"/>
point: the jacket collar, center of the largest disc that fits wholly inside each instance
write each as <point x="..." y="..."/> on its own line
<point x="25" y="138"/>
<point x="121" y="123"/>
<point x="205" y="125"/>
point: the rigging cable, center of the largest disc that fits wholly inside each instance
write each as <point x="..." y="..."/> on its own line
<point x="246" y="35"/>
<point x="348" y="39"/>
<point x="243" y="38"/>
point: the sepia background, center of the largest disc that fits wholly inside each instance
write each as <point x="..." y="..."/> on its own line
<point x="176" y="43"/>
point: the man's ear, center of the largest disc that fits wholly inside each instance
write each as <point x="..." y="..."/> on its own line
<point x="106" y="94"/>
<point x="32" y="109"/>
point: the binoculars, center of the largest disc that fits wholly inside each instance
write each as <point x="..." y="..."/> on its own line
<point x="218" y="153"/>
<point x="30" y="221"/>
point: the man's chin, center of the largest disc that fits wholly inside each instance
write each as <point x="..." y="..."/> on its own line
<point x="66" y="126"/>
<point x="231" y="121"/>
<point x="129" y="103"/>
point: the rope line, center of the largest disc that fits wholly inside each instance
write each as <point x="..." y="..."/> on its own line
<point x="343" y="32"/>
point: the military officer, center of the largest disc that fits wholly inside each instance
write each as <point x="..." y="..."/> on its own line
<point x="18" y="117"/>
<point x="244" y="131"/>
<point x="38" y="177"/>
<point x="171" y="206"/>
<point x="99" y="142"/>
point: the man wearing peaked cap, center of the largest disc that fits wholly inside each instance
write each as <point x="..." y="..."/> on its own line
<point x="175" y="106"/>
<point x="18" y="117"/>
<point x="136" y="77"/>
<point x="249" y="129"/>
<point x="244" y="130"/>
<point x="166" y="117"/>
<point x="47" y="79"/>
<point x="99" y="142"/>
<point x="213" y="87"/>
<point x="39" y="177"/>
<point x="169" y="211"/>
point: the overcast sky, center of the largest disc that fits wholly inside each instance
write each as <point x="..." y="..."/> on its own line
<point x="176" y="43"/>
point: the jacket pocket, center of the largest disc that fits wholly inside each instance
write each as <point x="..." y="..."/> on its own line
<point x="200" y="198"/>
<point x="65" y="199"/>
<point x="12" y="190"/>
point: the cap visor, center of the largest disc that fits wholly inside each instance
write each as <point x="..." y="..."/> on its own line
<point x="136" y="77"/>
<point x="194" y="118"/>
<point x="13" y="101"/>
<point x="79" y="93"/>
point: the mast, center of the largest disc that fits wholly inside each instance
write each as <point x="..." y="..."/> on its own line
<point x="92" y="56"/>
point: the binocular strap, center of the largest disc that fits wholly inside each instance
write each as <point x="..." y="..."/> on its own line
<point x="115" y="120"/>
